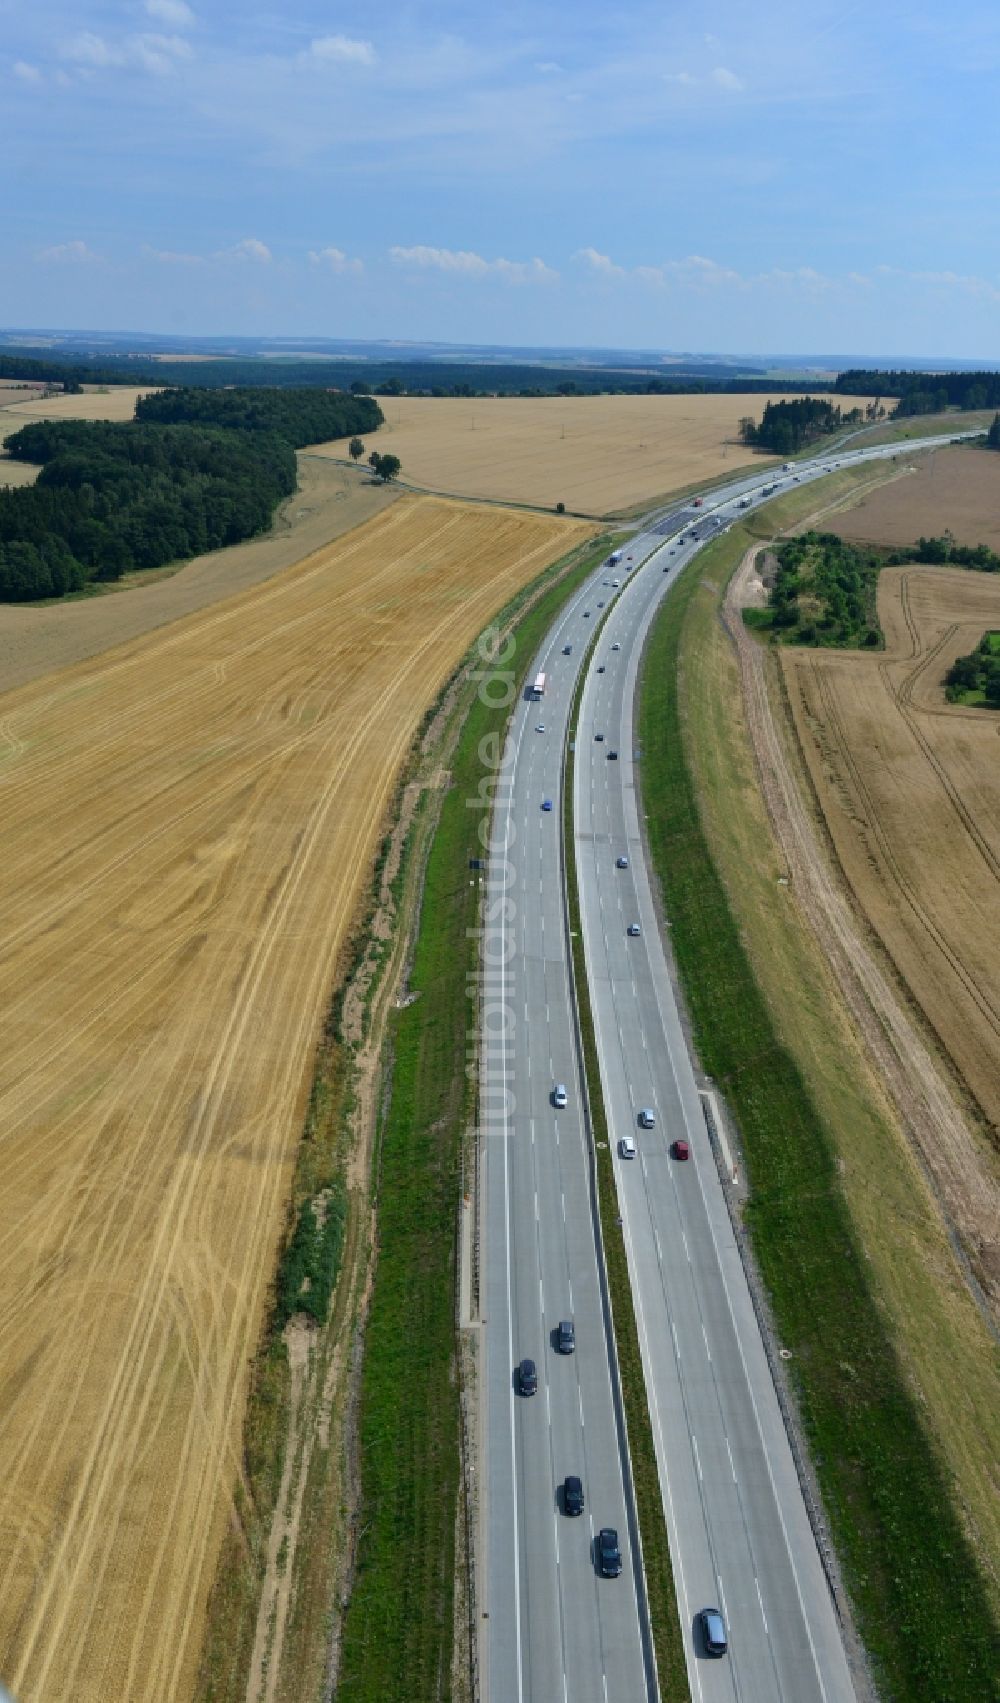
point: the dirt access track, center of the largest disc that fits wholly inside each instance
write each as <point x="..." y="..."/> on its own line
<point x="910" y="790"/>
<point x="600" y="455"/>
<point x="189" y="820"/>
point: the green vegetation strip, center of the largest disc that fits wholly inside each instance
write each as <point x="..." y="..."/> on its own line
<point x="398" y="1629"/>
<point x="921" y="1605"/>
<point x="661" y="1594"/>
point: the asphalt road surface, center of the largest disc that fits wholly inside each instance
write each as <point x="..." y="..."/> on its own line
<point x="739" y="1536"/>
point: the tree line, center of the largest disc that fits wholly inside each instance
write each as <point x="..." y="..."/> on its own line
<point x="300" y="416"/>
<point x="924" y="393"/>
<point x="788" y="426"/>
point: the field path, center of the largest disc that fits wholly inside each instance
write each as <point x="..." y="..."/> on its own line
<point x="189" y="821"/>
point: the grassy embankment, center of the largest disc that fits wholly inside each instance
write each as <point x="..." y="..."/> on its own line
<point x="398" y="1630"/>
<point x="891" y="1362"/>
<point x="661" y="1594"/>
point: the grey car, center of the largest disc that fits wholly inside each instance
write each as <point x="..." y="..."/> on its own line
<point x="566" y="1336"/>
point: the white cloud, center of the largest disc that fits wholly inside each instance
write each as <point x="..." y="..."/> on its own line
<point x="159" y="53"/>
<point x="173" y="12"/>
<point x="26" y="73"/>
<point x="720" y="78"/>
<point x="334" y="260"/>
<point x="89" y="49"/>
<point x="150" y="52"/>
<point x="341" y="50"/>
<point x="251" y="248"/>
<point x="602" y="264"/>
<point x="469" y="265"/>
<point x="75" y="251"/>
<point x="171" y="256"/>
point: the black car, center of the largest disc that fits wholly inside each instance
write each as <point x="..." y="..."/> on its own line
<point x="713" y="1630"/>
<point x="612" y="756"/>
<point x="573" y="1495"/>
<point x="527" y="1378"/>
<point x="609" y="1555"/>
<point x="566" y="1336"/>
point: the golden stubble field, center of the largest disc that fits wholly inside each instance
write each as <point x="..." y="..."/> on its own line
<point x="910" y="788"/>
<point x="599" y="455"/>
<point x="957" y="489"/>
<point x="188" y="823"/>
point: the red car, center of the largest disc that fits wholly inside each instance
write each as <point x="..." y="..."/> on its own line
<point x="681" y="1150"/>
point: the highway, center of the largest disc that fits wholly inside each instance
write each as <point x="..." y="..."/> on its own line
<point x="739" y="1536"/>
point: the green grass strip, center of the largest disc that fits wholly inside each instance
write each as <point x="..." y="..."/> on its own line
<point x="398" y="1629"/>
<point x="661" y="1595"/>
<point x="921" y="1605"/>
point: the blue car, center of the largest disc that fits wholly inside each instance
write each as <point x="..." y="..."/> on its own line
<point x="546" y="804"/>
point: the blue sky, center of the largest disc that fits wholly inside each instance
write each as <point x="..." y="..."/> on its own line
<point x="788" y="175"/>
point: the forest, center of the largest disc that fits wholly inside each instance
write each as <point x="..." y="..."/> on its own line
<point x="924" y="393"/>
<point x="112" y="498"/>
<point x="400" y="378"/>
<point x="788" y="426"/>
<point x="301" y="416"/>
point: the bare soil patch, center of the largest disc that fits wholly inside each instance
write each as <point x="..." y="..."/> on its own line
<point x="37" y="638"/>
<point x="189" y="821"/>
<point x="957" y="490"/>
<point x="597" y="454"/>
<point x="910" y="790"/>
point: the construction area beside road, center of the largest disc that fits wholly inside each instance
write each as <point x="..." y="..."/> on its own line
<point x="190" y="819"/>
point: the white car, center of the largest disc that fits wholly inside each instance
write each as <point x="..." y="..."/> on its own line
<point x="647" y="1118"/>
<point x="634" y="929"/>
<point x="559" y="1096"/>
<point x="626" y="1147"/>
<point x="540" y="727"/>
<point x="616" y="647"/>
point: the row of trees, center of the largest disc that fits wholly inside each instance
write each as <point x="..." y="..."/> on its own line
<point x="993" y="435"/>
<point x="943" y="551"/>
<point x="976" y="678"/>
<point x="788" y="426"/>
<point x="111" y="498"/>
<point x="301" y="416"/>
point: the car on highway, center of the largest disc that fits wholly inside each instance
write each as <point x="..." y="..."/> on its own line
<point x="612" y="756"/>
<point x="680" y="1149"/>
<point x="599" y="738"/>
<point x="559" y="1096"/>
<point x="601" y="669"/>
<point x="609" y="1555"/>
<point x="567" y="650"/>
<point x="572" y="1497"/>
<point x="540" y="727"/>
<point x="586" y="614"/>
<point x="546" y="804"/>
<point x="634" y="930"/>
<point x="616" y="647"/>
<point x="713" y="1631"/>
<point x="615" y="583"/>
<point x="647" y="1118"/>
<point x="600" y="606"/>
<point x="566" y="1336"/>
<point x="626" y="1147"/>
<point x="621" y="862"/>
<point x="527" y="1378"/>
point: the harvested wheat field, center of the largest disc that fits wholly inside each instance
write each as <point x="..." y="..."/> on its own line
<point x="116" y="403"/>
<point x="910" y="788"/>
<point x="188" y="823"/>
<point x="955" y="489"/>
<point x="599" y="455"/>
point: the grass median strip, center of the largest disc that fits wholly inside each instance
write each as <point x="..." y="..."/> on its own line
<point x="661" y="1595"/>
<point x="920" y="1601"/>
<point x="398" y="1629"/>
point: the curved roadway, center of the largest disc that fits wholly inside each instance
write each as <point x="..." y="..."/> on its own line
<point x="738" y="1531"/>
